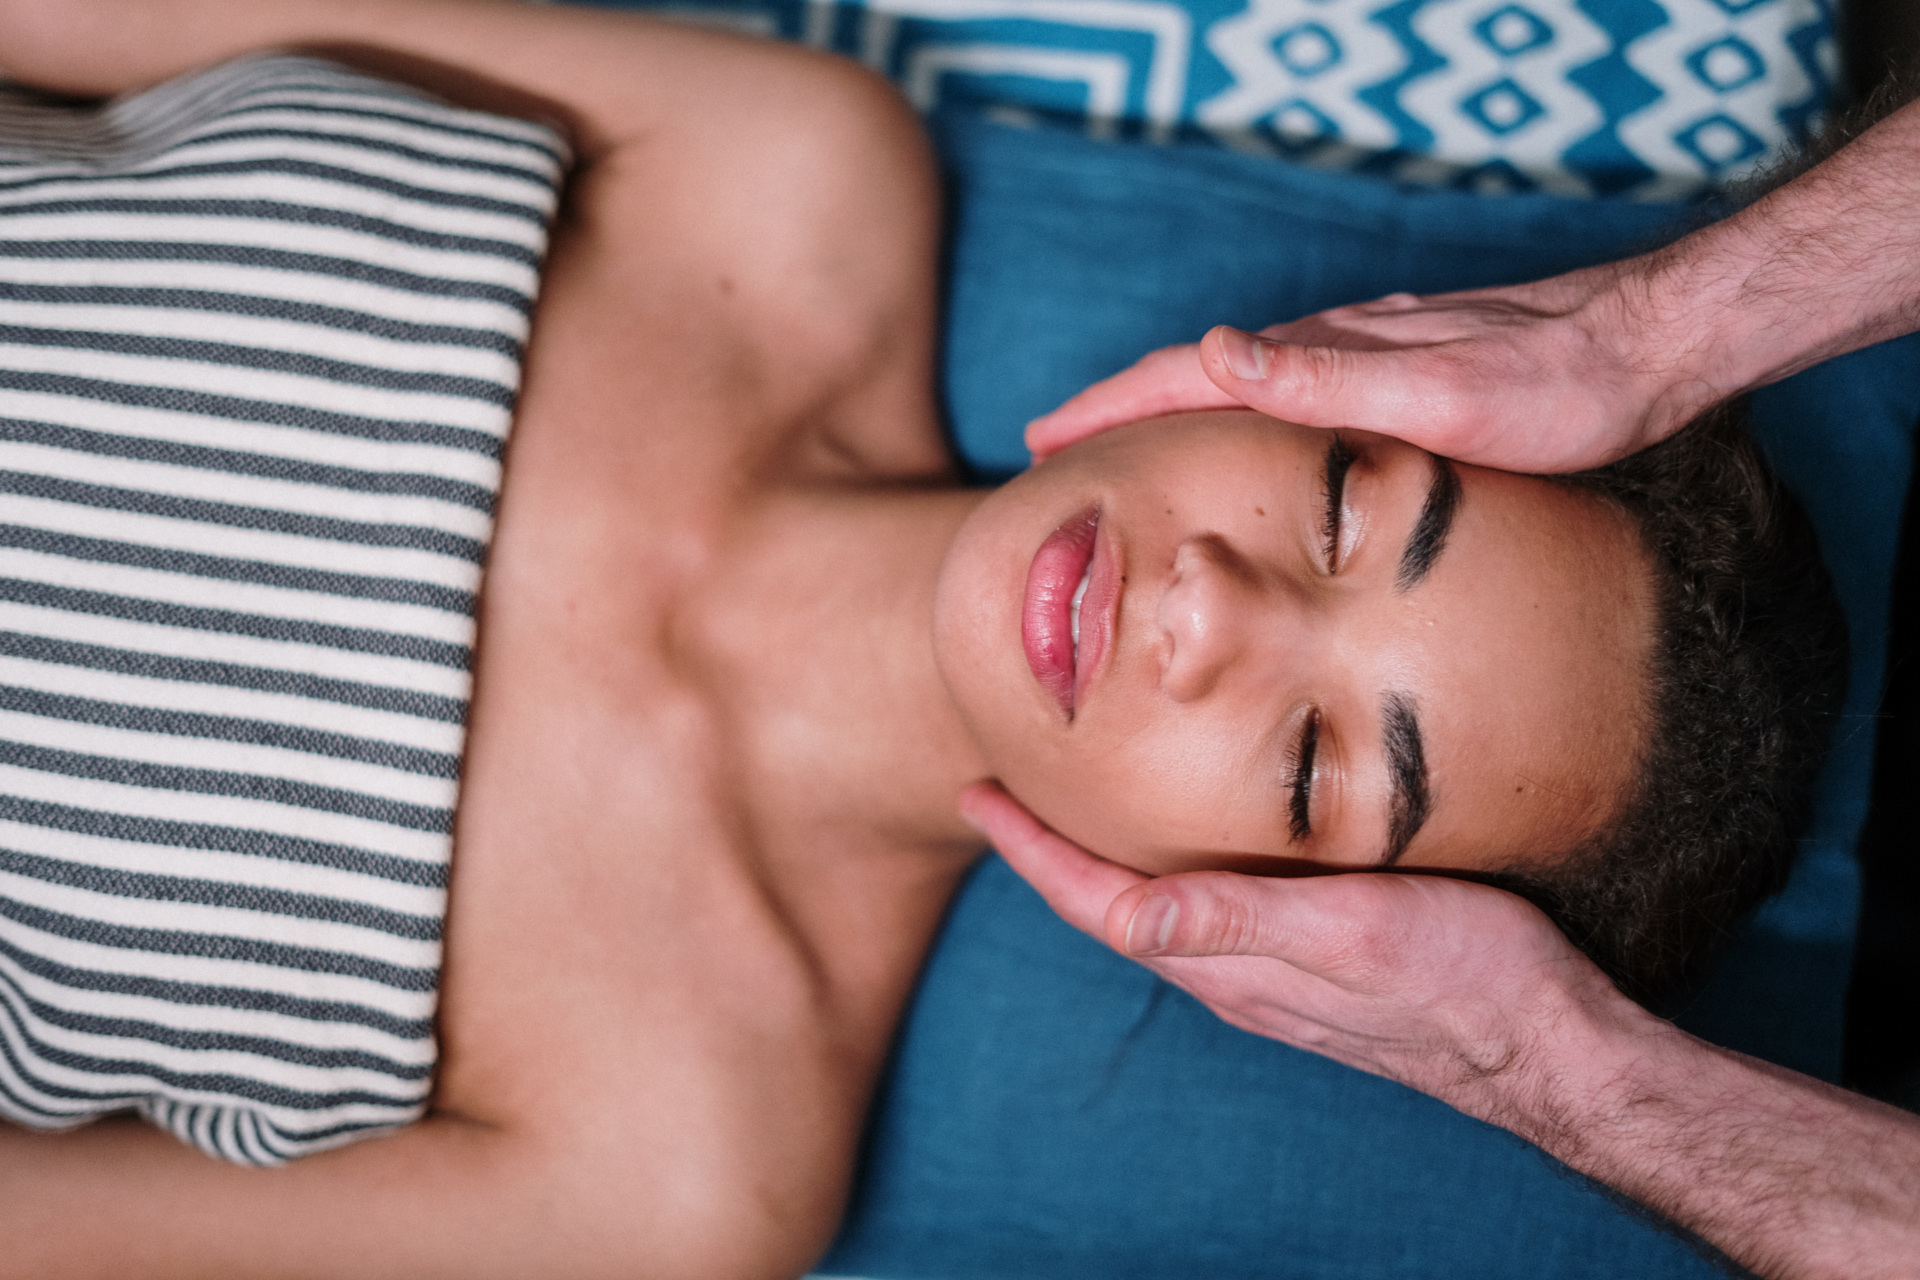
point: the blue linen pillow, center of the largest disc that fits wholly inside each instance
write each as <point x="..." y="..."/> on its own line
<point x="1055" y="1111"/>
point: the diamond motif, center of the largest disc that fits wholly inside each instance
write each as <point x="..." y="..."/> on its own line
<point x="1512" y="30"/>
<point x="1719" y="142"/>
<point x="1307" y="50"/>
<point x="1726" y="65"/>
<point x="1502" y="107"/>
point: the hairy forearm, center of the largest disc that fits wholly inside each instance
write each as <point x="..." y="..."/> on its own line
<point x="1824" y="264"/>
<point x="1790" y="1177"/>
<point x="1472" y="996"/>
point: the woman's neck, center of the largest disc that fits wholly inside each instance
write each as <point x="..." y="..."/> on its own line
<point x="821" y="624"/>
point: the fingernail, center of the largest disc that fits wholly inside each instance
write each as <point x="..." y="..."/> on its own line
<point x="1246" y="355"/>
<point x="1152" y="925"/>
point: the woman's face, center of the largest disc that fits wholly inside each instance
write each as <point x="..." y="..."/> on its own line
<point x="1218" y="639"/>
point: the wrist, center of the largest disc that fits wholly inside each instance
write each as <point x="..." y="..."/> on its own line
<point x="1724" y="330"/>
<point x="1820" y="266"/>
<point x="1671" y="333"/>
<point x="1591" y="1056"/>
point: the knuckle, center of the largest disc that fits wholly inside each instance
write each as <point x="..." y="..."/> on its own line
<point x="1218" y="913"/>
<point x="1235" y="928"/>
<point x="1361" y="946"/>
<point x="1321" y="376"/>
<point x="1368" y="934"/>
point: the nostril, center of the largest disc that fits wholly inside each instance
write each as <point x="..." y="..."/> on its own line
<point x="1197" y="555"/>
<point x="1193" y="615"/>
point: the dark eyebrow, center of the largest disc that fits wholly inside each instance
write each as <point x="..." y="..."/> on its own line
<point x="1429" y="534"/>
<point x="1407" y="768"/>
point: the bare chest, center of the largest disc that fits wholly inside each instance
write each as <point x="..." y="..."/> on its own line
<point x="634" y="888"/>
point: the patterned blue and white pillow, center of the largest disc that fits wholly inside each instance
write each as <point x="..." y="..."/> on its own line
<point x="1653" y="99"/>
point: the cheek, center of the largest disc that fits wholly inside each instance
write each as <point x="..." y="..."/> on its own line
<point x="1148" y="798"/>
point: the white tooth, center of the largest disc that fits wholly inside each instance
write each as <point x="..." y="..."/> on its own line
<point x="1073" y="608"/>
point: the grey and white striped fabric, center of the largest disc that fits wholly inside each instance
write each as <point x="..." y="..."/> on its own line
<point x="260" y="338"/>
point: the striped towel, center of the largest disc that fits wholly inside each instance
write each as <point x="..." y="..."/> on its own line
<point x="260" y="338"/>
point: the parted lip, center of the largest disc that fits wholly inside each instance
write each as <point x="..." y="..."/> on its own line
<point x="1046" y="613"/>
<point x="1077" y="549"/>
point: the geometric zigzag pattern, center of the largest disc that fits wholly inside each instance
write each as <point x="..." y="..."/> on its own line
<point x="1648" y="99"/>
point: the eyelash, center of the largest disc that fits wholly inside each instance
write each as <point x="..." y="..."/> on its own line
<point x="1300" y="762"/>
<point x="1339" y="458"/>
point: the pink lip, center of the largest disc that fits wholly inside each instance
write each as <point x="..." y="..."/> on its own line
<point x="1099" y="609"/>
<point x="1046" y="628"/>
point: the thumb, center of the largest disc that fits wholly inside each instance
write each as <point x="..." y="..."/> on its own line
<point x="1206" y="913"/>
<point x="1394" y="392"/>
<point x="1330" y="926"/>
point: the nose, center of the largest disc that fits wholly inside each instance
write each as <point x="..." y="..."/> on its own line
<point x="1208" y="616"/>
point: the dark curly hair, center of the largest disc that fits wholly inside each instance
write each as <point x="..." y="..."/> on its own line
<point x="1747" y="673"/>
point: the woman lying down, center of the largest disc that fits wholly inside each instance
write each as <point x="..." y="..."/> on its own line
<point x="742" y="641"/>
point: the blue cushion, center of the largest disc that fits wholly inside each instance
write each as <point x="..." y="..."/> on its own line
<point x="1055" y="1111"/>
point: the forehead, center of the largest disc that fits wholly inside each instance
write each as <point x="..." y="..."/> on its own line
<point x="1535" y="709"/>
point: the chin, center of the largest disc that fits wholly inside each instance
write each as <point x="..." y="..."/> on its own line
<point x="976" y="615"/>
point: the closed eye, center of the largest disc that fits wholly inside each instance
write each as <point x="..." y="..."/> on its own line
<point x="1334" y="484"/>
<point x="1300" y="764"/>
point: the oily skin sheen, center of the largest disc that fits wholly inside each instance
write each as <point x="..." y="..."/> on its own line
<point x="1521" y="651"/>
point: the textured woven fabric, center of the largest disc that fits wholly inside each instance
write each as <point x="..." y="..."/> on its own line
<point x="260" y="333"/>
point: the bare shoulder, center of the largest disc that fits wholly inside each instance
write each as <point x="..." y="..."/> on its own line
<point x="766" y="257"/>
<point x="752" y="230"/>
